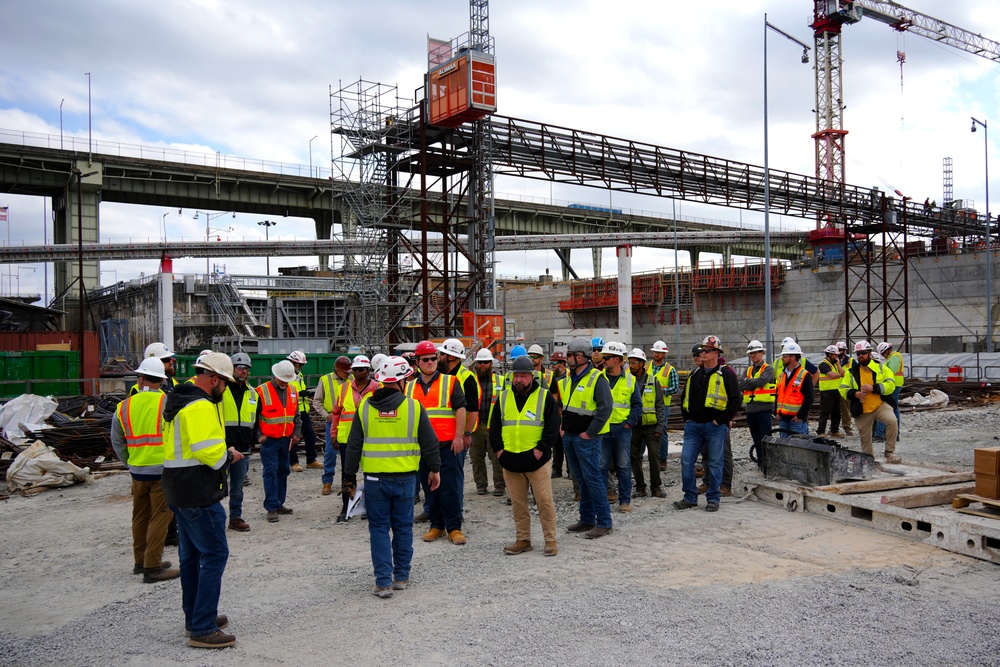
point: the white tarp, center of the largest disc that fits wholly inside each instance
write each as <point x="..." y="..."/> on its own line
<point x="38" y="468"/>
<point x="935" y="399"/>
<point x="28" y="410"/>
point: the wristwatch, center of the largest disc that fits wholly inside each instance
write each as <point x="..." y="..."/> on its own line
<point x="467" y="433"/>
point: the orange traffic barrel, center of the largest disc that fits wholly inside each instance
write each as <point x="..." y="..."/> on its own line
<point x="955" y="374"/>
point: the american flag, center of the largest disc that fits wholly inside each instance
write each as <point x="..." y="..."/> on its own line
<point x="3" y="214"/>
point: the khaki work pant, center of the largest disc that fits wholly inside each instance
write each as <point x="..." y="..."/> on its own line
<point x="541" y="486"/>
<point x="884" y="414"/>
<point x="845" y="415"/>
<point x="479" y="450"/>
<point x="150" y="518"/>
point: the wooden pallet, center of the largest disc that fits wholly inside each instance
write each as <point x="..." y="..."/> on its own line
<point x="990" y="507"/>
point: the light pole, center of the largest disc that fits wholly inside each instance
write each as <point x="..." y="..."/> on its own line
<point x="60" y="124"/>
<point x="163" y="224"/>
<point x="267" y="224"/>
<point x="768" y="342"/>
<point x="90" y="124"/>
<point x="989" y="237"/>
<point x="208" y="230"/>
<point x="311" y="156"/>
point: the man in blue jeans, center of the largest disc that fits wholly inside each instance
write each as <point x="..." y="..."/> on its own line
<point x="711" y="399"/>
<point x="240" y="410"/>
<point x="626" y="411"/>
<point x="195" y="466"/>
<point x="586" y="408"/>
<point x="391" y="437"/>
<point x="280" y="427"/>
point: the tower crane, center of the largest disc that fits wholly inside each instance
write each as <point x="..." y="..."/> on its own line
<point x="829" y="17"/>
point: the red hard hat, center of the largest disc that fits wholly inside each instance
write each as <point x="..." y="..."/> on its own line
<point x="559" y="355"/>
<point x="425" y="347"/>
<point x="343" y="363"/>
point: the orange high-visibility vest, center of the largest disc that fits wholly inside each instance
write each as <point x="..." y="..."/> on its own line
<point x="763" y="394"/>
<point x="790" y="396"/>
<point x="436" y="403"/>
<point x="348" y="407"/>
<point x="277" y="420"/>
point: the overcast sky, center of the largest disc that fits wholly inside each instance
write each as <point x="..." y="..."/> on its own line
<point x="252" y="78"/>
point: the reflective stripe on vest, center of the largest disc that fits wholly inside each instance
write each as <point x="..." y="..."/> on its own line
<point x="662" y="375"/>
<point x="581" y="398"/>
<point x="715" y="396"/>
<point x="649" y="400"/>
<point x="349" y="407"/>
<point x="195" y="436"/>
<point x="621" y="397"/>
<point x="390" y="443"/>
<point x="246" y="414"/>
<point x="790" y="396"/>
<point x="826" y="384"/>
<point x="463" y="374"/>
<point x="331" y="388"/>
<point x="437" y="404"/>
<point x="763" y="394"/>
<point x="141" y="419"/>
<point x="277" y="420"/>
<point x="522" y="429"/>
<point x="300" y="386"/>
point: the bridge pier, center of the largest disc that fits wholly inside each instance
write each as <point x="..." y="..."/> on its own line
<point x="77" y="211"/>
<point x="596" y="254"/>
<point x="324" y="221"/>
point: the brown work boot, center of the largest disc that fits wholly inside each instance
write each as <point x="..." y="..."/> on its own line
<point x="625" y="507"/>
<point x="139" y="569"/>
<point x="551" y="549"/>
<point x="272" y="517"/>
<point x="699" y="471"/>
<point x="423" y="517"/>
<point x="327" y="489"/>
<point x="315" y="465"/>
<point x="725" y="490"/>
<point x="848" y="431"/>
<point x="579" y="527"/>
<point x="576" y="498"/>
<point x="285" y="510"/>
<point x="221" y="622"/>
<point x="890" y="457"/>
<point x="659" y="493"/>
<point x="217" y="639"/>
<point x="152" y="575"/>
<point x="296" y="467"/>
<point x="382" y="592"/>
<point x="239" y="525"/>
<point x="612" y="497"/>
<point x="702" y="488"/>
<point x="433" y="534"/>
<point x="663" y="466"/>
<point x="640" y="493"/>
<point x="597" y="532"/>
<point x="457" y="537"/>
<point x="518" y="547"/>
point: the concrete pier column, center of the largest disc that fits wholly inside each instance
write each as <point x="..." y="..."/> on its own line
<point x="595" y="253"/>
<point x="624" y="253"/>
<point x="78" y="197"/>
<point x="324" y="221"/>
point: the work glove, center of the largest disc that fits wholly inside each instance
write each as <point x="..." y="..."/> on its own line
<point x="350" y="485"/>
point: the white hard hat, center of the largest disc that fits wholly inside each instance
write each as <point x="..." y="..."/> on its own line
<point x="660" y="346"/>
<point x="791" y="348"/>
<point x="452" y="347"/>
<point x="637" y="354"/>
<point x="157" y="350"/>
<point x="536" y="349"/>
<point x="218" y="363"/>
<point x="755" y="346"/>
<point x="841" y="345"/>
<point x="284" y="371"/>
<point x="360" y="361"/>
<point x="484" y="355"/>
<point x="862" y="346"/>
<point x="884" y="347"/>
<point x="202" y="354"/>
<point x="152" y="367"/>
<point x="614" y="347"/>
<point x="377" y="360"/>
<point x="832" y="349"/>
<point x="786" y="340"/>
<point x="393" y="369"/>
<point x="297" y="357"/>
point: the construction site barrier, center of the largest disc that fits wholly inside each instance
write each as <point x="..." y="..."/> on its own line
<point x="955" y="374"/>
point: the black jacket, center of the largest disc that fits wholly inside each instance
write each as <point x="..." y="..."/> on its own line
<point x="194" y="486"/>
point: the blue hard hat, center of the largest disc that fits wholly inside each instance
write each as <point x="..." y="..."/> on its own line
<point x="517" y="351"/>
<point x="597" y="342"/>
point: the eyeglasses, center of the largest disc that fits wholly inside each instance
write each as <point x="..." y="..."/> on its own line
<point x="241" y="368"/>
<point x="535" y="356"/>
<point x="423" y="359"/>
<point x="485" y="363"/>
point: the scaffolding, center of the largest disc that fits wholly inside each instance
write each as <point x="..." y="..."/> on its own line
<point x="375" y="127"/>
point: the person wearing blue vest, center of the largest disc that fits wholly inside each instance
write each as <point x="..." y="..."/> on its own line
<point x="391" y="438"/>
<point x="711" y="399"/>
<point x="585" y="398"/>
<point x="626" y="413"/>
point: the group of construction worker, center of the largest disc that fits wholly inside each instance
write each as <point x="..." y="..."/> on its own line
<point x="405" y="424"/>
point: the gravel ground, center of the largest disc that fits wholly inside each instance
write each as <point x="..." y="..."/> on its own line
<point x="750" y="585"/>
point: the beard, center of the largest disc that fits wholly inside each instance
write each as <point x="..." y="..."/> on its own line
<point x="218" y="392"/>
